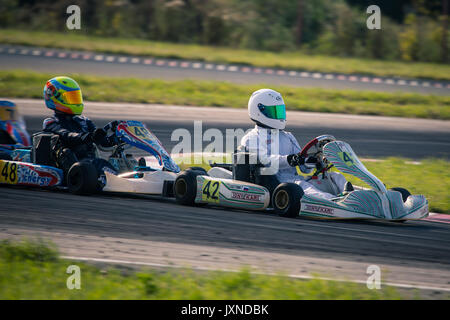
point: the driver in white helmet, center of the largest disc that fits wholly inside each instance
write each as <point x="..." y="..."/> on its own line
<point x="278" y="149"/>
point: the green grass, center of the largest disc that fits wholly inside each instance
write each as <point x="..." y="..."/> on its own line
<point x="24" y="84"/>
<point x="26" y="274"/>
<point x="289" y="60"/>
<point x="429" y="177"/>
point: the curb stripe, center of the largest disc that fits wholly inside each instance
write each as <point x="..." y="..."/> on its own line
<point x="66" y="54"/>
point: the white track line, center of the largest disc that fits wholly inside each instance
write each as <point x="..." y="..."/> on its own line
<point x="295" y="276"/>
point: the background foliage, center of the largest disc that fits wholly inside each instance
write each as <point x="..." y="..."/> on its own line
<point x="412" y="30"/>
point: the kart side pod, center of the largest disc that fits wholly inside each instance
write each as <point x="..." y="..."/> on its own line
<point x="193" y="187"/>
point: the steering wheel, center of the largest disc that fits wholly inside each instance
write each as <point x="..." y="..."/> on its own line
<point x="110" y="129"/>
<point x="314" y="148"/>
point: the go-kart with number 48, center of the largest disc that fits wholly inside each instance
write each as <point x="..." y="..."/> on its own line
<point x="37" y="166"/>
<point x="244" y="184"/>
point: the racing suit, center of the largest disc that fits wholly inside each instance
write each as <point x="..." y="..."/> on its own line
<point x="76" y="142"/>
<point x="273" y="146"/>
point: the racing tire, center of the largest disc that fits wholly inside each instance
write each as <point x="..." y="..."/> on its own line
<point x="405" y="193"/>
<point x="198" y="169"/>
<point x="185" y="187"/>
<point x="286" y="200"/>
<point x="82" y="178"/>
<point x="4" y="156"/>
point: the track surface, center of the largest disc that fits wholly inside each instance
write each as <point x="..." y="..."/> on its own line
<point x="147" y="230"/>
<point x="62" y="61"/>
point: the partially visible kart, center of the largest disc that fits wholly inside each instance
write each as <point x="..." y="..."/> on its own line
<point x="39" y="169"/>
<point x="243" y="185"/>
<point x="14" y="137"/>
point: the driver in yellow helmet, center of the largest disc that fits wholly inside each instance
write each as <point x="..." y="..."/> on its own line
<point x="76" y="132"/>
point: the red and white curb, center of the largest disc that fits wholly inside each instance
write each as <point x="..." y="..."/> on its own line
<point x="438" y="217"/>
<point x="185" y="64"/>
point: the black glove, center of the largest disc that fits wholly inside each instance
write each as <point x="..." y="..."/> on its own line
<point x="98" y="135"/>
<point x="295" y="159"/>
<point x="86" y="138"/>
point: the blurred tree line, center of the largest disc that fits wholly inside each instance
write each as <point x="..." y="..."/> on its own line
<point x="411" y="30"/>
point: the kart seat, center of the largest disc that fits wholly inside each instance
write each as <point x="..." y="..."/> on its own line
<point x="246" y="168"/>
<point x="42" y="150"/>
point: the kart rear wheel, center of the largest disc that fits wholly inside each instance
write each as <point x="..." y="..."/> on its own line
<point x="82" y="178"/>
<point x="286" y="199"/>
<point x="185" y="187"/>
<point x="4" y="156"/>
<point x="199" y="169"/>
<point x="405" y="193"/>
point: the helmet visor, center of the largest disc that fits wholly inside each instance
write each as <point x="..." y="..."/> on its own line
<point x="73" y="97"/>
<point x="273" y="112"/>
<point x="9" y="113"/>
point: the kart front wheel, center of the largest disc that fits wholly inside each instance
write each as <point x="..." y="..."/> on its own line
<point x="405" y="193"/>
<point x="199" y="169"/>
<point x="82" y="178"/>
<point x="286" y="199"/>
<point x="185" y="187"/>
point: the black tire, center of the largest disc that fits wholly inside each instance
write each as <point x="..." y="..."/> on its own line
<point x="405" y="193"/>
<point x="286" y="200"/>
<point x="198" y="169"/>
<point x="82" y="178"/>
<point x="185" y="187"/>
<point x="4" y="156"/>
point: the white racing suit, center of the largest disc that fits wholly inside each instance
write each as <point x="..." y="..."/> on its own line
<point x="272" y="147"/>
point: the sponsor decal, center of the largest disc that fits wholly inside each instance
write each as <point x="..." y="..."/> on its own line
<point x="319" y="209"/>
<point x="245" y="196"/>
<point x="37" y="176"/>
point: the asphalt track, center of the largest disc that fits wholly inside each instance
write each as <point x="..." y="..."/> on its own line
<point x="61" y="61"/>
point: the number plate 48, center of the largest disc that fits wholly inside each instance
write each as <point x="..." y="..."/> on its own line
<point x="8" y="172"/>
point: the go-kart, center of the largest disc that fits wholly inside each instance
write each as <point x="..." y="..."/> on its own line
<point x="132" y="176"/>
<point x="244" y="185"/>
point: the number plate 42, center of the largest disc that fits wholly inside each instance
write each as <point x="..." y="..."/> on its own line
<point x="210" y="191"/>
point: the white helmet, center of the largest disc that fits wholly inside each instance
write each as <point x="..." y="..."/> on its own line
<point x="266" y="107"/>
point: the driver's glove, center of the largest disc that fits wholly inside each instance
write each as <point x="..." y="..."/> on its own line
<point x="297" y="160"/>
<point x="98" y="135"/>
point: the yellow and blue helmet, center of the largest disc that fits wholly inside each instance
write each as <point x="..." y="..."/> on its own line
<point x="63" y="94"/>
<point x="12" y="125"/>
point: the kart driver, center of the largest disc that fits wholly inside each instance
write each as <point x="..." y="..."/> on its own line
<point x="76" y="132"/>
<point x="271" y="143"/>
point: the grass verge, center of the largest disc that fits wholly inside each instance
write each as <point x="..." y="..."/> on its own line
<point x="429" y="177"/>
<point x="25" y="84"/>
<point x="27" y="273"/>
<point x="288" y="60"/>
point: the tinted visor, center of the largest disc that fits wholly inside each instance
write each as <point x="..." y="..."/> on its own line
<point x="9" y="113"/>
<point x="73" y="97"/>
<point x="273" y="112"/>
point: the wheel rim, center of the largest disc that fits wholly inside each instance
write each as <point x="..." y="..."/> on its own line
<point x="282" y="199"/>
<point x="180" y="187"/>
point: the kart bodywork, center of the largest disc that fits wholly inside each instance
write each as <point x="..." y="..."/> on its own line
<point x="226" y="186"/>
<point x="141" y="178"/>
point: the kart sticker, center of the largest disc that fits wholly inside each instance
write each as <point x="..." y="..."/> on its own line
<point x="136" y="134"/>
<point x="345" y="157"/>
<point x="8" y="172"/>
<point x="42" y="176"/>
<point x="210" y="191"/>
